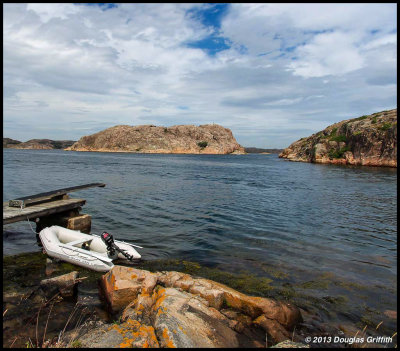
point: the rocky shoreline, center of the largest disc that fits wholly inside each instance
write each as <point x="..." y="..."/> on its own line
<point x="135" y="307"/>
<point x="366" y="141"/>
<point x="148" y="309"/>
<point x="178" y="310"/>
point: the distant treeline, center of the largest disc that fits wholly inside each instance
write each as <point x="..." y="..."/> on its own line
<point x="256" y="150"/>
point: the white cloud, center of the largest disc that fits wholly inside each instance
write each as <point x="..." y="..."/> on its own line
<point x="48" y="11"/>
<point x="292" y="68"/>
<point x="327" y="54"/>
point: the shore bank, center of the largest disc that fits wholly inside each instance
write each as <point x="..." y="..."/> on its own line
<point x="149" y="311"/>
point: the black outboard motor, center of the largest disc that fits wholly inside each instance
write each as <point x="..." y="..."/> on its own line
<point x="112" y="248"/>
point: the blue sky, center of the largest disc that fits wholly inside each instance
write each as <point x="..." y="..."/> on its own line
<point x="272" y="73"/>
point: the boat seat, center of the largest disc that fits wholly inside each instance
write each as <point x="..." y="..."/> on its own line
<point x="79" y="241"/>
<point x="90" y="253"/>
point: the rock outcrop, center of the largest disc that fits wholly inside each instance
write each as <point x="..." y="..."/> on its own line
<point x="180" y="139"/>
<point x="9" y="143"/>
<point x="366" y="140"/>
<point x="173" y="309"/>
<point x="41" y="144"/>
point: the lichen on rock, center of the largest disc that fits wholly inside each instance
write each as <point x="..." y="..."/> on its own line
<point x="196" y="312"/>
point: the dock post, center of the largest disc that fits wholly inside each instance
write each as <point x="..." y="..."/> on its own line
<point x="71" y="220"/>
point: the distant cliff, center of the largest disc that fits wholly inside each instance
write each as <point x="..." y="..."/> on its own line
<point x="180" y="139"/>
<point x="367" y="140"/>
<point x="45" y="144"/>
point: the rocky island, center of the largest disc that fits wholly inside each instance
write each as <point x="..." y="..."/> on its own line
<point x="369" y="140"/>
<point x="179" y="139"/>
<point x="39" y="144"/>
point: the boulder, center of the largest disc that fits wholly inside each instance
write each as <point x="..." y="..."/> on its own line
<point x="51" y="266"/>
<point x="273" y="328"/>
<point x="131" y="334"/>
<point x="217" y="294"/>
<point x="122" y="285"/>
<point x="65" y="284"/>
<point x="184" y="320"/>
<point x="189" y="312"/>
<point x="287" y="344"/>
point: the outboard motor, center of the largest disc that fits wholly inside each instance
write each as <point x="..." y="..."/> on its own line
<point x="108" y="239"/>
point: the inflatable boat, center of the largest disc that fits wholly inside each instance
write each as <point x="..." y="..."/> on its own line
<point x="89" y="251"/>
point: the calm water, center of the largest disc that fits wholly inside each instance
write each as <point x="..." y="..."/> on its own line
<point x="329" y="230"/>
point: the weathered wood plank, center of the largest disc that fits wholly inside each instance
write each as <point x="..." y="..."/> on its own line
<point x="14" y="214"/>
<point x="49" y="195"/>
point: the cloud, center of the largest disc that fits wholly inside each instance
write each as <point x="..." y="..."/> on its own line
<point x="271" y="72"/>
<point x="327" y="54"/>
<point x="46" y="12"/>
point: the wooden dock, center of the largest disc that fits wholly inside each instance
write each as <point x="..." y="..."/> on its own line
<point x="16" y="214"/>
<point x="50" y="208"/>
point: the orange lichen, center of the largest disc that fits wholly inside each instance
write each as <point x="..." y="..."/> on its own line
<point x="168" y="342"/>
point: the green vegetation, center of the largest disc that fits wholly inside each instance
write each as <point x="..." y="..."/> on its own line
<point x="76" y="344"/>
<point x="202" y="144"/>
<point x="386" y="126"/>
<point x="57" y="145"/>
<point x="28" y="345"/>
<point x="373" y="120"/>
<point x="338" y="153"/>
<point x="360" y="118"/>
<point x="165" y="130"/>
<point x="338" y="138"/>
<point x="336" y="300"/>
<point x="356" y="133"/>
<point x="315" y="284"/>
<point x="333" y="132"/>
<point x="117" y="321"/>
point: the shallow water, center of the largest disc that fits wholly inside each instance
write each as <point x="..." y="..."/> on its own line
<point x="320" y="232"/>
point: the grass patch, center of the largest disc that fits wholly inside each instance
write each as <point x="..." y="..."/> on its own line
<point x="356" y="133"/>
<point x="385" y="126"/>
<point x="202" y="144"/>
<point x="360" y="118"/>
<point x="76" y="344"/>
<point x="338" y="153"/>
<point x="117" y="321"/>
<point x="373" y="121"/>
<point x="338" y="138"/>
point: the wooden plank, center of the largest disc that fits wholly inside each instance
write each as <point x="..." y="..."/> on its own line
<point x="14" y="214"/>
<point x="49" y="195"/>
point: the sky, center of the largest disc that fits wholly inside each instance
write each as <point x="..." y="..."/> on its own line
<point x="272" y="73"/>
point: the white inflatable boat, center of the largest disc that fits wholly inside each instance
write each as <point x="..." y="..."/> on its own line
<point x="84" y="250"/>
